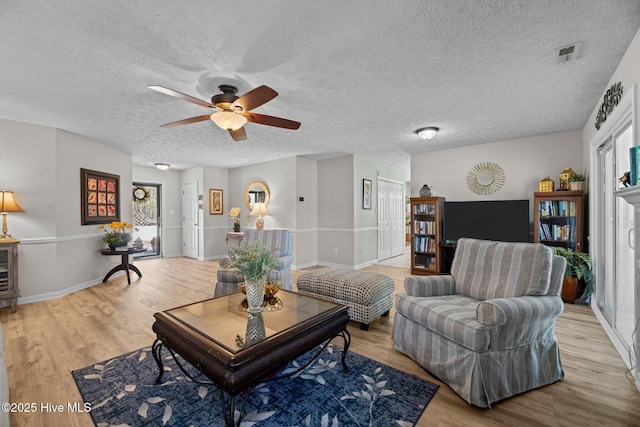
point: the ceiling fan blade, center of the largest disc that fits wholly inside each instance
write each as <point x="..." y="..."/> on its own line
<point x="255" y="98"/>
<point x="181" y="95"/>
<point x="238" y="134"/>
<point x="272" y="121"/>
<point x="187" y="121"/>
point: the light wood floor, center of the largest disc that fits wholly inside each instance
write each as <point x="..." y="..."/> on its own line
<point x="45" y="341"/>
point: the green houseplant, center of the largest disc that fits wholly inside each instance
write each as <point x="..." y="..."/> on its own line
<point x="576" y="182"/>
<point x="580" y="268"/>
<point x="253" y="260"/>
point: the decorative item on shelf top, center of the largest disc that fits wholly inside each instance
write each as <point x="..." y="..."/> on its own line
<point x="564" y="177"/>
<point x="117" y="233"/>
<point x="485" y="178"/>
<point x="576" y="182"/>
<point x="546" y="184"/>
<point x="610" y="100"/>
<point x="253" y="261"/>
<point x="625" y="179"/>
<point x="234" y="214"/>
<point x="425" y="191"/>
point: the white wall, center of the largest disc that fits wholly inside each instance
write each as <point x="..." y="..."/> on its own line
<point x="366" y="220"/>
<point x="628" y="73"/>
<point x="306" y="230"/>
<point x="524" y="161"/>
<point x="57" y="254"/>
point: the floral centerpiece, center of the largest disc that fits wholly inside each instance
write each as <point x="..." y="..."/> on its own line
<point x="253" y="261"/>
<point x="234" y="214"/>
<point x="116" y="234"/>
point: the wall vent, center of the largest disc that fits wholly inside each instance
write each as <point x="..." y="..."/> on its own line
<point x="568" y="53"/>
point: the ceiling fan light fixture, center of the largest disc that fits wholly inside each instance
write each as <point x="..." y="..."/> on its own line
<point x="163" y="166"/>
<point x="228" y="120"/>
<point x="427" y="133"/>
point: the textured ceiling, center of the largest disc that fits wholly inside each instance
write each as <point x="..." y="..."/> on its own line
<point x="361" y="77"/>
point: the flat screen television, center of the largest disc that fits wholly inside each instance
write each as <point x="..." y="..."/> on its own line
<point x="503" y="220"/>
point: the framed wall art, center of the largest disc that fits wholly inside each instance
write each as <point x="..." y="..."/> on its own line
<point x="215" y="201"/>
<point x="366" y="194"/>
<point x="100" y="197"/>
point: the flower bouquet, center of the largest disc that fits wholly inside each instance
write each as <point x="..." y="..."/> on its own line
<point x="234" y="214"/>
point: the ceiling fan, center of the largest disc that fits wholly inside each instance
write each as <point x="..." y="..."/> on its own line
<point x="232" y="112"/>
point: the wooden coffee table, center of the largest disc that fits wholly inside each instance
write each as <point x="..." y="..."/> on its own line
<point x="237" y="350"/>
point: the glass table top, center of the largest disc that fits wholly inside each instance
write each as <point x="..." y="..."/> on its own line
<point x="225" y="320"/>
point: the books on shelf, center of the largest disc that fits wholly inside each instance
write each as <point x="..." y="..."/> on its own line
<point x="424" y="227"/>
<point x="558" y="231"/>
<point x="634" y="158"/>
<point x="426" y="263"/>
<point x="557" y="208"/>
<point x="424" y="209"/>
<point x="424" y="244"/>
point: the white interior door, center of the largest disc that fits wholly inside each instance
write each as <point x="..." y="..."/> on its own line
<point x="397" y="219"/>
<point x="384" y="221"/>
<point x="390" y="219"/>
<point x="190" y="219"/>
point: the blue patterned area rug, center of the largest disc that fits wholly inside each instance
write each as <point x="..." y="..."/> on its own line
<point x="121" y="393"/>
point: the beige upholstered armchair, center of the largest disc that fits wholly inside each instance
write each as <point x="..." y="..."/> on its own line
<point x="280" y="242"/>
<point x="488" y="329"/>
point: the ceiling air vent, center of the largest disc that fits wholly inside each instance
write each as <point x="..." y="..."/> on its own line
<point x="568" y="53"/>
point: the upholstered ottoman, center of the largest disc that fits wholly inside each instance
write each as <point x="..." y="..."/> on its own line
<point x="368" y="295"/>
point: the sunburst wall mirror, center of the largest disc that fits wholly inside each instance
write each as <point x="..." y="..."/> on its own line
<point x="485" y="178"/>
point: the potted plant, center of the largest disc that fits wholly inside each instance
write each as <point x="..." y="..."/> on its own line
<point x="116" y="234"/>
<point x="253" y="261"/>
<point x="234" y="214"/>
<point x="576" y="182"/>
<point x="579" y="271"/>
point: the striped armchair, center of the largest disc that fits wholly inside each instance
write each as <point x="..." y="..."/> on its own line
<point x="488" y="329"/>
<point x="280" y="242"/>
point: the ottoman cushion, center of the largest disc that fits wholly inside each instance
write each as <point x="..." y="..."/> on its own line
<point x="368" y="295"/>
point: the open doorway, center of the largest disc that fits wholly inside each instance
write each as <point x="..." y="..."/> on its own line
<point x="146" y="218"/>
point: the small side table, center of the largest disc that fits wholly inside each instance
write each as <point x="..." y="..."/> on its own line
<point x="124" y="263"/>
<point x="233" y="240"/>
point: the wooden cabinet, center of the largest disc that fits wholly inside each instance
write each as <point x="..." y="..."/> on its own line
<point x="559" y="219"/>
<point x="9" y="289"/>
<point x="426" y="235"/>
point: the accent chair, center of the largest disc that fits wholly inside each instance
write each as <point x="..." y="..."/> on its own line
<point x="487" y="329"/>
<point x="280" y="242"/>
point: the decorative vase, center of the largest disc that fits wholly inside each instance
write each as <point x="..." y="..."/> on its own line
<point x="576" y="185"/>
<point x="255" y="329"/>
<point x="255" y="294"/>
<point x="425" y="191"/>
<point x="236" y="227"/>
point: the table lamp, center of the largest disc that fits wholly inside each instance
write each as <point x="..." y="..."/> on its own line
<point x="8" y="203"/>
<point x="260" y="209"/>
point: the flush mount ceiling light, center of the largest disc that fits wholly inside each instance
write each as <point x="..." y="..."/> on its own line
<point x="427" y="133"/>
<point x="163" y="166"/>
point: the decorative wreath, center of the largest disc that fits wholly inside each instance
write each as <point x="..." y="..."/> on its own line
<point x="485" y="178"/>
<point x="137" y="194"/>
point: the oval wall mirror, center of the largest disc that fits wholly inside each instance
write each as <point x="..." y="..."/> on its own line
<point x="256" y="192"/>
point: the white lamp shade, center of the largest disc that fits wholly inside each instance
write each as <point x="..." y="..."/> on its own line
<point x="259" y="208"/>
<point x="163" y="166"/>
<point x="228" y="120"/>
<point x="8" y="202"/>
